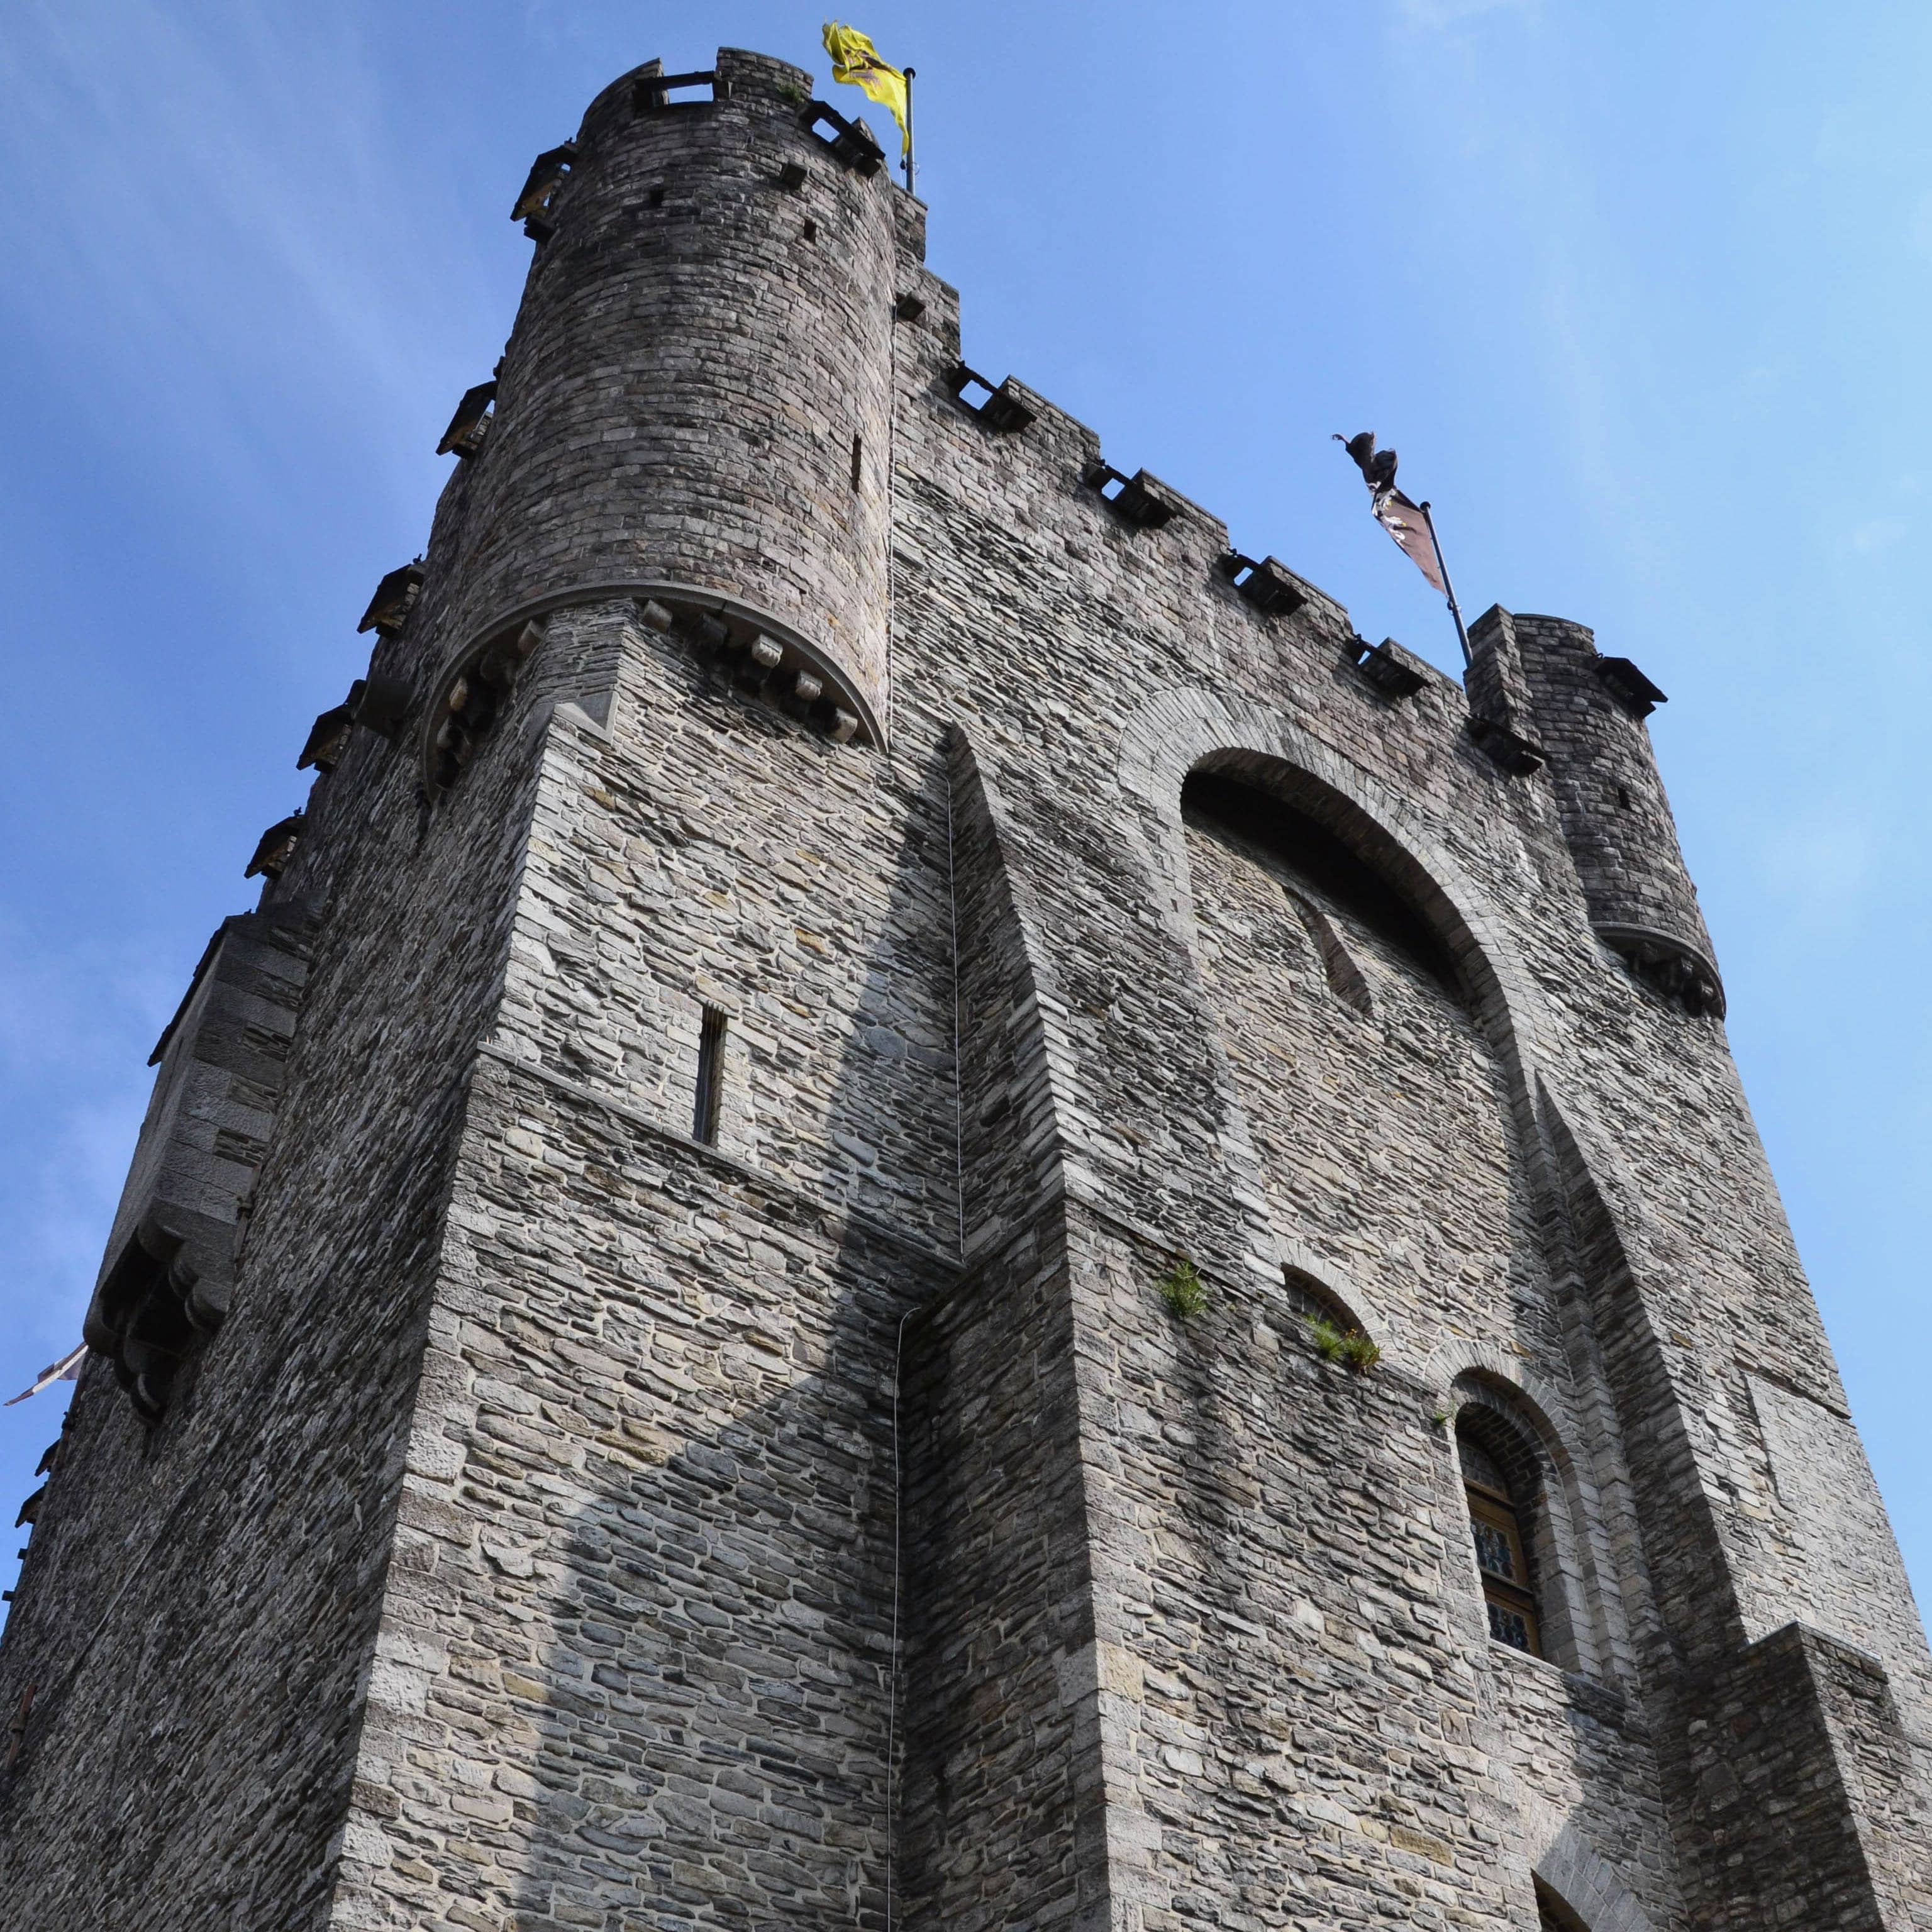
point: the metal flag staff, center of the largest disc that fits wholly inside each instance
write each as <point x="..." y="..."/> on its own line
<point x="910" y="73"/>
<point x="1448" y="589"/>
<point x="1405" y="520"/>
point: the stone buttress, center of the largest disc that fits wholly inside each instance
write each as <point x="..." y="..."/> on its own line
<point x="645" y="1373"/>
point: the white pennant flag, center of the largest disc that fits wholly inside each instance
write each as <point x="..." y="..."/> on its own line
<point x="67" y="1370"/>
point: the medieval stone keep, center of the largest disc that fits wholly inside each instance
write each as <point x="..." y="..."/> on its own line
<point x="915" y="1207"/>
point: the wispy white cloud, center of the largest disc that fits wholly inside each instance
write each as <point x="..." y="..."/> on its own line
<point x="1436" y="16"/>
<point x="1881" y="533"/>
<point x="219" y="193"/>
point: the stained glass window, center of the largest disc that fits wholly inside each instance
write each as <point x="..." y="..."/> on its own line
<point x="1509" y="1626"/>
<point x="1493" y="1552"/>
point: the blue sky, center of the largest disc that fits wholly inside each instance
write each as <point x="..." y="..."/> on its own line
<point x="1640" y="294"/>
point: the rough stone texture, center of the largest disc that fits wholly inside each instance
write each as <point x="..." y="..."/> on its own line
<point x="573" y="1524"/>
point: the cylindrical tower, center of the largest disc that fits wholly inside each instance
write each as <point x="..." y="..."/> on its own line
<point x="1588" y="713"/>
<point x="695" y="406"/>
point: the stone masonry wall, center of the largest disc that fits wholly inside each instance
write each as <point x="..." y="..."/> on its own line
<point x="707" y="851"/>
<point x="1004" y="1809"/>
<point x="650" y="1476"/>
<point x="697" y="348"/>
<point x="1063" y="629"/>
<point x="638" y="1647"/>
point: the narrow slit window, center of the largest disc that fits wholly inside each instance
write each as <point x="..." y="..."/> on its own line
<point x="858" y="460"/>
<point x="710" y="1078"/>
<point x="1507" y="1594"/>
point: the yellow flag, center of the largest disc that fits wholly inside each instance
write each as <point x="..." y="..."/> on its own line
<point x="855" y="61"/>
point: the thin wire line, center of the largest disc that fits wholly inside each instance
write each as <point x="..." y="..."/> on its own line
<point x="958" y="1074"/>
<point x="893" y="1695"/>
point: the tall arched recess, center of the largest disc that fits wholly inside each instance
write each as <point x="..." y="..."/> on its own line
<point x="1360" y="1051"/>
<point x="1185" y="728"/>
<point x="1383" y="1046"/>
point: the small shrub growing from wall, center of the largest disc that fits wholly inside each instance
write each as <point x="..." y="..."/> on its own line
<point x="1349" y="1346"/>
<point x="1183" y="1291"/>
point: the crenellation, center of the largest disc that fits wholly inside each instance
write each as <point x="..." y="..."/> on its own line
<point x="828" y="893"/>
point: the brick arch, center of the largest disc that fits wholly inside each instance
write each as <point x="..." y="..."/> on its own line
<point x="1354" y="1300"/>
<point x="1177" y="730"/>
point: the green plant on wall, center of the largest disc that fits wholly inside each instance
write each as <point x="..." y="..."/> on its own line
<point x="1183" y="1291"/>
<point x="1349" y="1346"/>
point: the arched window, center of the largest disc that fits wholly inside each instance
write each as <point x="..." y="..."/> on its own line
<point x="1508" y="1589"/>
<point x="1552" y="1914"/>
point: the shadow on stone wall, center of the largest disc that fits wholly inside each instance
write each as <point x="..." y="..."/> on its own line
<point x="679" y="1619"/>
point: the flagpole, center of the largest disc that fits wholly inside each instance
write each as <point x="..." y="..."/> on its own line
<point x="1448" y="589"/>
<point x="909" y="72"/>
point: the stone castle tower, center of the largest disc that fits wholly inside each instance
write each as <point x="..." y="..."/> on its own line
<point x="644" y="1375"/>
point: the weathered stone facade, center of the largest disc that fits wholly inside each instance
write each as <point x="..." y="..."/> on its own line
<point x="685" y="1430"/>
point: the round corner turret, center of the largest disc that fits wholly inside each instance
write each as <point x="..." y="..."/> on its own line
<point x="695" y="402"/>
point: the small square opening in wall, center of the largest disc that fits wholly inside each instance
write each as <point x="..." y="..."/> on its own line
<point x="1269" y="588"/>
<point x="709" y="1100"/>
<point x="994" y="403"/>
<point x="656" y="93"/>
<point x="1384" y="667"/>
<point x="851" y="143"/>
<point x="1128" y="497"/>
